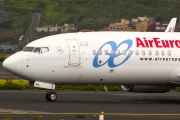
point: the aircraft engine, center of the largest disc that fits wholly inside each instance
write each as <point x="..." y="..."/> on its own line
<point x="146" y="89"/>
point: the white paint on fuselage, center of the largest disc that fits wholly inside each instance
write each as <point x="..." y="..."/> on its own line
<point x="53" y="67"/>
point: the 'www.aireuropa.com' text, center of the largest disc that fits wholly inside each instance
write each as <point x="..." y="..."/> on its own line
<point x="160" y="59"/>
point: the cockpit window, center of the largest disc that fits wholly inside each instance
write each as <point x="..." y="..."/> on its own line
<point x="45" y="49"/>
<point x="37" y="50"/>
<point x="28" y="49"/>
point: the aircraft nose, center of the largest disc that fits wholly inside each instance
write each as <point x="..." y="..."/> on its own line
<point x="13" y="63"/>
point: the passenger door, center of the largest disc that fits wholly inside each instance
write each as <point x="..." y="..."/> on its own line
<point x="74" y="52"/>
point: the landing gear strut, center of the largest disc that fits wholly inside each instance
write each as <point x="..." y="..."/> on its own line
<point x="51" y="96"/>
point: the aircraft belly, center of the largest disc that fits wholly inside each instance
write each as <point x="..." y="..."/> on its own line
<point x="125" y="75"/>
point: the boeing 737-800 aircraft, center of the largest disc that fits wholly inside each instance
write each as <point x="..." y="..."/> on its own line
<point x="139" y="61"/>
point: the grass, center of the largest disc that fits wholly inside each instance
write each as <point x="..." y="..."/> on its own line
<point x="80" y="116"/>
<point x="6" y="43"/>
<point x="88" y="87"/>
<point x="177" y="89"/>
<point x="2" y="59"/>
<point x="8" y="118"/>
<point x="23" y="5"/>
<point x="24" y="84"/>
<point x="14" y="84"/>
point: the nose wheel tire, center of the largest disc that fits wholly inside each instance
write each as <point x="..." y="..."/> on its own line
<point x="51" y="96"/>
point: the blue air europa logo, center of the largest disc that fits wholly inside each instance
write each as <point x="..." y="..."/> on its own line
<point x="110" y="60"/>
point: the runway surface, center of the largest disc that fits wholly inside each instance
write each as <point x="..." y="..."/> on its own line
<point x="70" y="103"/>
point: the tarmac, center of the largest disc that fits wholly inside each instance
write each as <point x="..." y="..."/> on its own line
<point x="32" y="104"/>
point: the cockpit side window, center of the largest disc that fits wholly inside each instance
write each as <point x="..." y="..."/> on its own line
<point x="28" y="49"/>
<point x="37" y="50"/>
<point x="45" y="49"/>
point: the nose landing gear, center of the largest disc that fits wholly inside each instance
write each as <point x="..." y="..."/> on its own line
<point x="51" y="96"/>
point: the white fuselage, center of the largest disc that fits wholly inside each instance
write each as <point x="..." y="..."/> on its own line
<point x="100" y="58"/>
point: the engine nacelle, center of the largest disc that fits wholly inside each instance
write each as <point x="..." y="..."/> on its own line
<point x="146" y="89"/>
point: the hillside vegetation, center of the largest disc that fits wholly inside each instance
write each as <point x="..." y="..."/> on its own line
<point x="85" y="14"/>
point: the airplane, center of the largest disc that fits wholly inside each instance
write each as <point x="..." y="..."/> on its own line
<point x="146" y="62"/>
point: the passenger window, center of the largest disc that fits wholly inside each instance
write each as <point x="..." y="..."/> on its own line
<point x="106" y="52"/>
<point x="124" y="52"/>
<point x="149" y="52"/>
<point x="100" y="52"/>
<point x="45" y="49"/>
<point x="162" y="53"/>
<point x="112" y="52"/>
<point x="118" y="52"/>
<point x="94" y="52"/>
<point x="143" y="52"/>
<point x="130" y="52"/>
<point x="37" y="50"/>
<point x="169" y="53"/>
<point x="156" y="52"/>
<point x="137" y="52"/>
